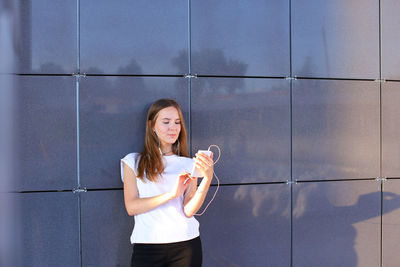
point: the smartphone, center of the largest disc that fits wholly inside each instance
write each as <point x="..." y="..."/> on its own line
<point x="196" y="172"/>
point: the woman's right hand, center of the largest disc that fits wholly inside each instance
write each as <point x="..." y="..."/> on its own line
<point x="182" y="183"/>
<point x="135" y="205"/>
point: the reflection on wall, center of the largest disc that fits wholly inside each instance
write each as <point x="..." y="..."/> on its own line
<point x="342" y="38"/>
<point x="112" y="121"/>
<point x="250" y="123"/>
<point x="254" y="33"/>
<point x="390" y="129"/>
<point x="150" y="33"/>
<point x="213" y="60"/>
<point x="391" y="36"/>
<point x="48" y="36"/>
<point x="248" y="225"/>
<point x="335" y="129"/>
<point x="46" y="126"/>
<point x="336" y="216"/>
<point x="391" y="222"/>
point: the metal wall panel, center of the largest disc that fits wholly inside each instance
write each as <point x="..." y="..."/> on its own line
<point x="337" y="125"/>
<point x="106" y="229"/>
<point x="113" y="114"/>
<point x="134" y="37"/>
<point x="241" y="38"/>
<point x="335" y="39"/>
<point x="249" y="119"/>
<point x="335" y="129"/>
<point x="336" y="223"/>
<point x="46" y="133"/>
<point x="390" y="39"/>
<point x="48" y="36"/>
<point x="247" y="226"/>
<point x="390" y="129"/>
<point x="391" y="223"/>
<point x="50" y="229"/>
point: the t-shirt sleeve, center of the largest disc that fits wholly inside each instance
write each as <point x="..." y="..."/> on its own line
<point x="129" y="160"/>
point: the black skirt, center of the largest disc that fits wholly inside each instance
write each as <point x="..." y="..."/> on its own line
<point x="180" y="254"/>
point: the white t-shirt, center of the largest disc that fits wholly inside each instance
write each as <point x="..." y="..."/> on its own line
<point x="166" y="223"/>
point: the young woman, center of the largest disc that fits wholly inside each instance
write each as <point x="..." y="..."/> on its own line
<point x="161" y="194"/>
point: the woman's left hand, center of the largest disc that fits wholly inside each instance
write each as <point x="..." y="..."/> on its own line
<point x="205" y="164"/>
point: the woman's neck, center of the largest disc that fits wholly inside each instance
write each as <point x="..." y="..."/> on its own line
<point x="166" y="150"/>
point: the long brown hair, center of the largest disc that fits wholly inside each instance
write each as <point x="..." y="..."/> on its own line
<point x="151" y="162"/>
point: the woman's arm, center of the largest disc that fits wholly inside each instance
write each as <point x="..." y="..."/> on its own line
<point x="136" y="205"/>
<point x="194" y="197"/>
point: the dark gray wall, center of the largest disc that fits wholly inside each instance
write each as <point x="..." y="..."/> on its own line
<point x="301" y="96"/>
<point x="8" y="221"/>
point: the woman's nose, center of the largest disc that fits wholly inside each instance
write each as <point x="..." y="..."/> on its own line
<point x="173" y="126"/>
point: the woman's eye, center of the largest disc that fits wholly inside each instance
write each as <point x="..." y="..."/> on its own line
<point x="177" y="122"/>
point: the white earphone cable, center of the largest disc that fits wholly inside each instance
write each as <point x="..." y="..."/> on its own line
<point x="216" y="177"/>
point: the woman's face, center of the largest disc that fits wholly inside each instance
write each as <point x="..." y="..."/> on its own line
<point x="167" y="126"/>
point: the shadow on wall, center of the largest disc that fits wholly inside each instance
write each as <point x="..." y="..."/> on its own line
<point x="338" y="223"/>
<point x="334" y="224"/>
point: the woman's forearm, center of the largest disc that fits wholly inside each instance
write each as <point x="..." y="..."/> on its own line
<point x="142" y="205"/>
<point x="197" y="200"/>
